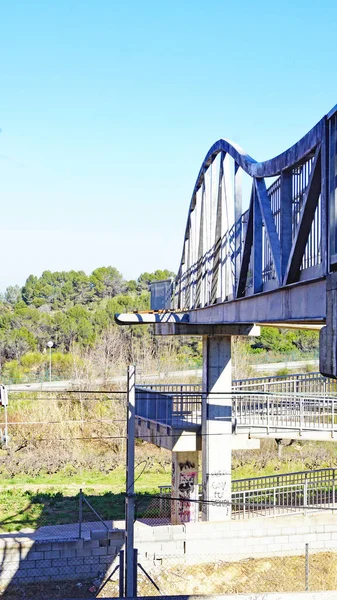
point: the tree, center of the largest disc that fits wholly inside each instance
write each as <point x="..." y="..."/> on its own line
<point x="306" y="340"/>
<point x="273" y="339"/>
<point x="145" y="278"/>
<point x="107" y="282"/>
<point x="18" y="342"/>
<point x="13" y="294"/>
<point x="28" y="290"/>
<point x="77" y="312"/>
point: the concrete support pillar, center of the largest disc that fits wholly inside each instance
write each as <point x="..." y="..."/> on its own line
<point x="328" y="334"/>
<point x="216" y="428"/>
<point x="185" y="487"/>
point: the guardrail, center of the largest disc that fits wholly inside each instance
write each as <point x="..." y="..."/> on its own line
<point x="265" y="412"/>
<point x="174" y="408"/>
<point x="170" y="387"/>
<point x="274" y="495"/>
<point x="295" y="383"/>
<point x="284" y="493"/>
<point x="277" y="412"/>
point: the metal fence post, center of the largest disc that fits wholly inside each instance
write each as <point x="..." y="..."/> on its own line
<point x="80" y="515"/>
<point x="4" y="403"/>
<point x="305" y="492"/>
<point x="301" y="414"/>
<point x="130" y="495"/>
<point x="306" y="567"/>
<point x="121" y="574"/>
<point x="135" y="564"/>
<point x="6" y="427"/>
<point x="333" y="418"/>
<point x="268" y="410"/>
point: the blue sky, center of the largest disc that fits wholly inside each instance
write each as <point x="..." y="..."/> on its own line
<point x="108" y="108"/>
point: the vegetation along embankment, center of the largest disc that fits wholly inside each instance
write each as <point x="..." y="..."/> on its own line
<point x="58" y="445"/>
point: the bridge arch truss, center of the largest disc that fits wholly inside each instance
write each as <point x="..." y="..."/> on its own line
<point x="288" y="234"/>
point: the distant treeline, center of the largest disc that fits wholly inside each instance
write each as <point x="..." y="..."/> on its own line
<point x="73" y="310"/>
<point x="76" y="312"/>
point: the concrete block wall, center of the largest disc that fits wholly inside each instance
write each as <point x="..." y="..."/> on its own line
<point x="25" y="560"/>
<point x="283" y="536"/>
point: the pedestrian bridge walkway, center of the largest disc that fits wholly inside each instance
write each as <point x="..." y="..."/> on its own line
<point x="303" y="406"/>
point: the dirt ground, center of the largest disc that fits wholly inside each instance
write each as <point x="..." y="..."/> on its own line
<point x="275" y="574"/>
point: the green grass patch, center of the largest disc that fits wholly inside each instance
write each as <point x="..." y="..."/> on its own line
<point x="29" y="510"/>
<point x="114" y="481"/>
<point x="32" y="502"/>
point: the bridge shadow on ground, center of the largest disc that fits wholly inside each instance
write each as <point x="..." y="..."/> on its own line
<point x="54" y="546"/>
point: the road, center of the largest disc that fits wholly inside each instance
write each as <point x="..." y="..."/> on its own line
<point x="75" y="384"/>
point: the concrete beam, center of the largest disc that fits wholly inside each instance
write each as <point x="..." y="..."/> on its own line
<point x="228" y="329"/>
<point x="300" y="303"/>
<point x="176" y="440"/>
<point x="303" y="302"/>
<point x="313" y="436"/>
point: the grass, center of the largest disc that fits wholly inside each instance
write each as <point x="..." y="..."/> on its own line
<point x="273" y="468"/>
<point x="114" y="481"/>
<point x="29" y="510"/>
<point x="29" y="503"/>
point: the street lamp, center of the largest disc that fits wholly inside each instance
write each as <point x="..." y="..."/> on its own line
<point x="50" y="345"/>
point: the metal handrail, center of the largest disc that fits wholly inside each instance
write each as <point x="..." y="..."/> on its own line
<point x="300" y="490"/>
<point x="292" y="382"/>
<point x="270" y="412"/>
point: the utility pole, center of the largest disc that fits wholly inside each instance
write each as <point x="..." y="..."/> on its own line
<point x="130" y="571"/>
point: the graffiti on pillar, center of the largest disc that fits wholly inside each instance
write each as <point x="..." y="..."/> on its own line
<point x="188" y="480"/>
<point x="204" y="497"/>
<point x="216" y="484"/>
<point x="173" y="475"/>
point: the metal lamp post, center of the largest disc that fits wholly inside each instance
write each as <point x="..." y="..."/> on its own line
<point x="50" y="345"/>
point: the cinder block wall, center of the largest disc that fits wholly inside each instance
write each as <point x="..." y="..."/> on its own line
<point x="24" y="560"/>
<point x="238" y="539"/>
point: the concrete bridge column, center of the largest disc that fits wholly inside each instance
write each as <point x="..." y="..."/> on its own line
<point x="185" y="487"/>
<point x="328" y="334"/>
<point x="216" y="428"/>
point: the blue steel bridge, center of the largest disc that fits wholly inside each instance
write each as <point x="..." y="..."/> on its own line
<point x="260" y="243"/>
<point x="260" y="247"/>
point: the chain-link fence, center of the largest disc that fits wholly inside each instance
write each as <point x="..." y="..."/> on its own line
<point x="231" y="574"/>
<point x="210" y="574"/>
<point x="55" y="540"/>
<point x="207" y="558"/>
